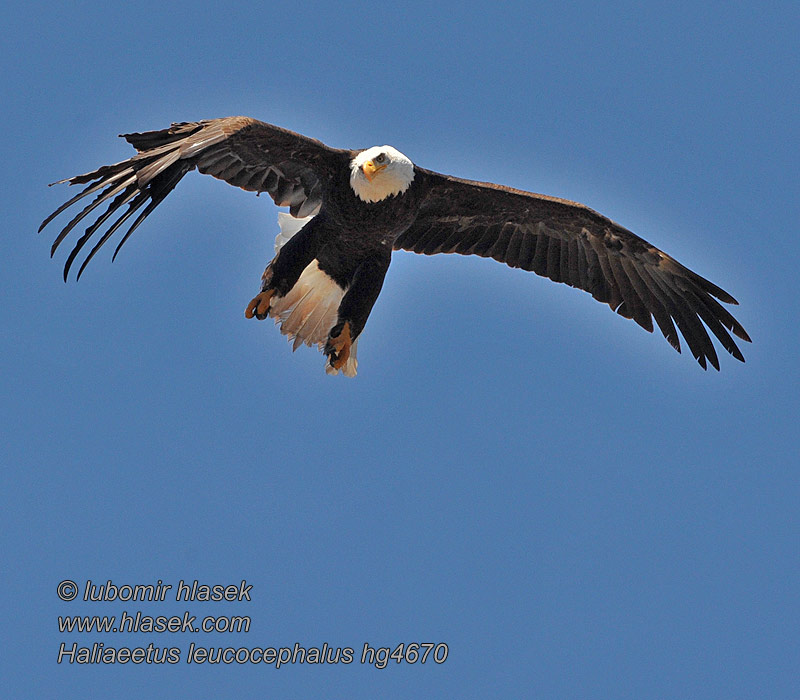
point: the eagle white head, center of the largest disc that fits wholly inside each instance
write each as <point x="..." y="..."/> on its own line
<point x="380" y="172"/>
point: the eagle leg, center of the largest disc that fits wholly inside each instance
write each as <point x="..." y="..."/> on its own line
<point x="285" y="268"/>
<point x="259" y="305"/>
<point x="363" y="290"/>
<point x="338" y="346"/>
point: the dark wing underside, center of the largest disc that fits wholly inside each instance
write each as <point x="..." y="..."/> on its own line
<point x="244" y="152"/>
<point x="570" y="243"/>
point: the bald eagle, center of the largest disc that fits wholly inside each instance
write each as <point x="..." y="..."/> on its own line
<point x="349" y="209"/>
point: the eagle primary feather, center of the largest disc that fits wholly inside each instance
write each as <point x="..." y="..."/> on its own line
<point x="353" y="207"/>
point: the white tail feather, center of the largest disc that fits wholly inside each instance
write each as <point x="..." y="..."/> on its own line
<point x="314" y="291"/>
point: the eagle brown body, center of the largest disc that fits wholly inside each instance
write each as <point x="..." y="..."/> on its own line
<point x="323" y="282"/>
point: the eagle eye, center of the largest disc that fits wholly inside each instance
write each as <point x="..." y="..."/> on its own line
<point x="380" y="158"/>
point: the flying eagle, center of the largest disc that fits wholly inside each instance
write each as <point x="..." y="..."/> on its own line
<point x="349" y="209"/>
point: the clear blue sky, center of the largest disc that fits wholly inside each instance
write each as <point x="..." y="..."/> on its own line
<point x="573" y="508"/>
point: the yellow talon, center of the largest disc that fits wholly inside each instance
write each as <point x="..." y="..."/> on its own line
<point x="340" y="346"/>
<point x="259" y="305"/>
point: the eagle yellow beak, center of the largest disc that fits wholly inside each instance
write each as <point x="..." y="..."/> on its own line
<point x="370" y="170"/>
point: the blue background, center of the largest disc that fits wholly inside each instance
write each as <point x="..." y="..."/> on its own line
<point x="574" y="508"/>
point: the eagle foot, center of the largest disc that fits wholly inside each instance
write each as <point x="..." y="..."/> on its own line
<point x="259" y="305"/>
<point x="338" y="346"/>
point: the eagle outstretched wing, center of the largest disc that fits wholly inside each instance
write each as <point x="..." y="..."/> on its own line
<point x="573" y="244"/>
<point x="250" y="154"/>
